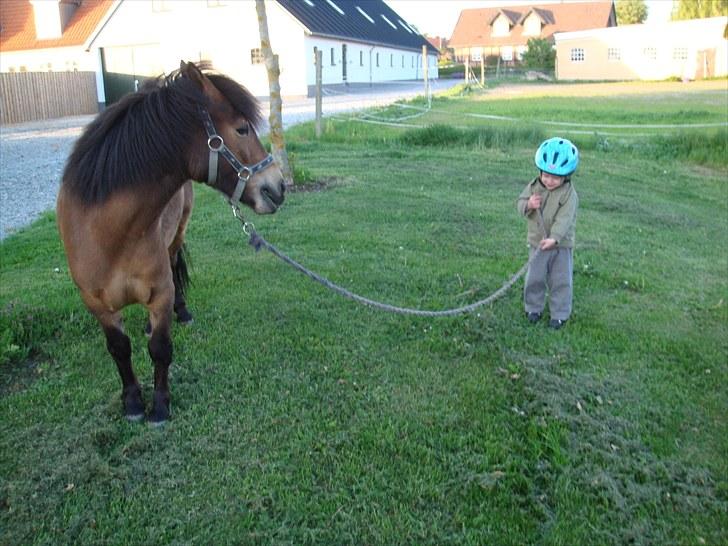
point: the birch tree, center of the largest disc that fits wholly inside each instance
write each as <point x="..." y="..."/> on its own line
<point x="275" y="119"/>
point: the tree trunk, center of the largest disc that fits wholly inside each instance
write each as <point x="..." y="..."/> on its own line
<point x="275" y="120"/>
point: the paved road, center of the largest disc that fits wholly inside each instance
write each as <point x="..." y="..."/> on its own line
<point x="32" y="155"/>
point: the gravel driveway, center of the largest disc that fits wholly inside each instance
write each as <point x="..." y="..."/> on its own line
<point x="32" y="155"/>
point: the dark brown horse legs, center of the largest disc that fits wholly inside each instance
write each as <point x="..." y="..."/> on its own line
<point x="119" y="346"/>
<point x="160" y="349"/>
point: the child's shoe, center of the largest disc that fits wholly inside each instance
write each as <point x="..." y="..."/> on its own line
<point x="533" y="318"/>
<point x="556" y="323"/>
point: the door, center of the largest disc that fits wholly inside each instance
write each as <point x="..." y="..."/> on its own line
<point x="126" y="67"/>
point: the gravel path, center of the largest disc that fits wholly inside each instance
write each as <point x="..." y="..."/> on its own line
<point x="32" y="155"/>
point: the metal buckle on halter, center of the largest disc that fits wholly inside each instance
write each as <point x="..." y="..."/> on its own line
<point x="212" y="138"/>
<point x="244" y="173"/>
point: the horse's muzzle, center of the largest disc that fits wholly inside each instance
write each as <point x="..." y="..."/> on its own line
<point x="274" y="194"/>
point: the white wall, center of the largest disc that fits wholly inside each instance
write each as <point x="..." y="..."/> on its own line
<point x="146" y="42"/>
<point x="362" y="65"/>
<point x="60" y="59"/>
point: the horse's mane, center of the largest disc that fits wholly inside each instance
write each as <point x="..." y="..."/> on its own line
<point x="143" y="136"/>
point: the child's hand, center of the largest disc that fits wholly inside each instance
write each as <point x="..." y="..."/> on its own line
<point x="534" y="202"/>
<point x="547" y="244"/>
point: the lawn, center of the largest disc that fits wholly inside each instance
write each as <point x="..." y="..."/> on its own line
<point x="300" y="417"/>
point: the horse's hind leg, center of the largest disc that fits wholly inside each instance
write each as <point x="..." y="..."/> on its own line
<point x="177" y="254"/>
<point x="119" y="346"/>
<point x="180" y="277"/>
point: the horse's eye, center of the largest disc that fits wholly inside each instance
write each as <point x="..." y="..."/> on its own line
<point x="242" y="130"/>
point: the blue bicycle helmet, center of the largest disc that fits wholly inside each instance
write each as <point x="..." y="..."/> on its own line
<point x="557" y="156"/>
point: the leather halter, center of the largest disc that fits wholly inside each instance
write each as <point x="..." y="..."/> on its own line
<point x="217" y="146"/>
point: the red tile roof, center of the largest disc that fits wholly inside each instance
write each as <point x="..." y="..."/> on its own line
<point x="17" y="25"/>
<point x="474" y="25"/>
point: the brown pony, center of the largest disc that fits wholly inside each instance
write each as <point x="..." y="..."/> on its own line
<point x="126" y="198"/>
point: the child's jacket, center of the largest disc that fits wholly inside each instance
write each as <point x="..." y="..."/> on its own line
<point x="559" y="213"/>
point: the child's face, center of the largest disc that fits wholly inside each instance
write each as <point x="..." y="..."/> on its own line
<point x="551" y="181"/>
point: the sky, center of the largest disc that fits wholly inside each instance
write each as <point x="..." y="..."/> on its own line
<point x="438" y="17"/>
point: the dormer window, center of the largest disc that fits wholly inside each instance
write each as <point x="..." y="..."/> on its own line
<point x="532" y="25"/>
<point x="501" y="26"/>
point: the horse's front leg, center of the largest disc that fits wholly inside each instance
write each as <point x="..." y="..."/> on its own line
<point x="160" y="350"/>
<point x="119" y="346"/>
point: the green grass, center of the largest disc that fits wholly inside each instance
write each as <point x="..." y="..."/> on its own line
<point x="300" y="417"/>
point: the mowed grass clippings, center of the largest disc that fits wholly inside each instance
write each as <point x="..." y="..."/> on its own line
<point x="300" y="417"/>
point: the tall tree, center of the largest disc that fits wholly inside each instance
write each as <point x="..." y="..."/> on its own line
<point x="275" y="119"/>
<point x="631" y="12"/>
<point x="540" y="54"/>
<point x="699" y="9"/>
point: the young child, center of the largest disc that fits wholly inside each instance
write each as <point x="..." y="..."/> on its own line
<point x="549" y="203"/>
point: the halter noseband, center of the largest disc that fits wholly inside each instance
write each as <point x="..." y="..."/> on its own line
<point x="217" y="145"/>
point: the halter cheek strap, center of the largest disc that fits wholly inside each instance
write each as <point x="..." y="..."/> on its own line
<point x="217" y="146"/>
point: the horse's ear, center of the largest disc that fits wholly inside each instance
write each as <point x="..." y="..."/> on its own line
<point x="191" y="71"/>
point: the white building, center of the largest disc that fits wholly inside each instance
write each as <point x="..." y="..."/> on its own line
<point x="124" y="41"/>
<point x="691" y="49"/>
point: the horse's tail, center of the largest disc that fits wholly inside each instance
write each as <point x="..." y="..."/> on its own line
<point x="180" y="271"/>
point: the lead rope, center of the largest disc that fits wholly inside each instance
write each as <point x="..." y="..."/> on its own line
<point x="258" y="242"/>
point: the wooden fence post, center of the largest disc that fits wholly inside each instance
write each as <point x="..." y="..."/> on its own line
<point x="319" y="78"/>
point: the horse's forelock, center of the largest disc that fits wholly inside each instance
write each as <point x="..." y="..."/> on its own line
<point x="239" y="98"/>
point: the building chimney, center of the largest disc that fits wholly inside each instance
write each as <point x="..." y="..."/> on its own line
<point x="52" y="16"/>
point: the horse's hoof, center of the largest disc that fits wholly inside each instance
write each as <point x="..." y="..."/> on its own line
<point x="185" y="317"/>
<point x="148" y="329"/>
<point x="135" y="418"/>
<point x="157" y="424"/>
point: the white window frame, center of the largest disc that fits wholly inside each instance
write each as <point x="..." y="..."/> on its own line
<point x="577" y="55"/>
<point x="649" y="53"/>
<point x="614" y="54"/>
<point x="680" y="53"/>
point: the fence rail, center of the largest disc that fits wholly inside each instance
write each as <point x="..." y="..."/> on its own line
<point x="30" y="96"/>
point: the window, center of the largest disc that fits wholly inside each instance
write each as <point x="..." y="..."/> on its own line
<point x="507" y="53"/>
<point x="413" y="61"/>
<point x="365" y="14"/>
<point x="532" y="25"/>
<point x="377" y="59"/>
<point x="333" y="59"/>
<point x="680" y="54"/>
<point x="390" y="23"/>
<point x="391" y="59"/>
<point x="159" y="5"/>
<point x="577" y="55"/>
<point x="501" y="26"/>
<point x="309" y="2"/>
<point x="614" y="54"/>
<point x="404" y="26"/>
<point x="256" y="56"/>
<point x="361" y="58"/>
<point x="402" y="61"/>
<point x="476" y="53"/>
<point x="337" y="8"/>
<point x="650" y="53"/>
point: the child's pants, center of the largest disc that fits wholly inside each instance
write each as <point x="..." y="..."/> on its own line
<point x="552" y="268"/>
